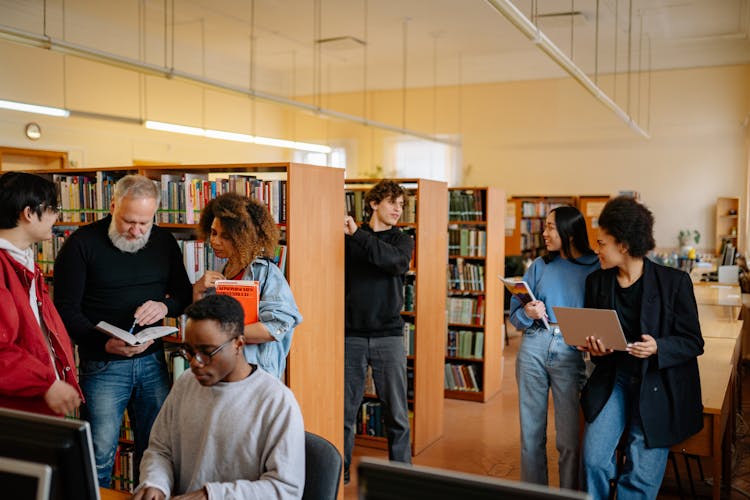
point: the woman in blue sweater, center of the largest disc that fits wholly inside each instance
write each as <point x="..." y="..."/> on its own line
<point x="544" y="360"/>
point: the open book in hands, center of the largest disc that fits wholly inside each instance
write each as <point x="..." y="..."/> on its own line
<point x="520" y="289"/>
<point x="151" y="333"/>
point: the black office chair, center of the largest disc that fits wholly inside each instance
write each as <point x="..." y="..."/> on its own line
<point x="323" y="465"/>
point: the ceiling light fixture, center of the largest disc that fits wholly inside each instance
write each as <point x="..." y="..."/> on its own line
<point x="236" y="137"/>
<point x="33" y="108"/>
<point x="525" y="26"/>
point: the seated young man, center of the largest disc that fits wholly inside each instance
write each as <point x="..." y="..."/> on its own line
<point x="228" y="431"/>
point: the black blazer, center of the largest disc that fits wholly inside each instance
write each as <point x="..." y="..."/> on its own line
<point x="670" y="394"/>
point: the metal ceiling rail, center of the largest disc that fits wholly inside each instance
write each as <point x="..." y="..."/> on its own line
<point x="525" y="26"/>
<point x="30" y="39"/>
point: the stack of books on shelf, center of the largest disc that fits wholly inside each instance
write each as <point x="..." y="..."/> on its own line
<point x="464" y="276"/>
<point x="466" y="310"/>
<point x="462" y="377"/>
<point x="465" y="205"/>
<point x="46" y="251"/>
<point x="467" y="241"/>
<point x="465" y="344"/>
<point x="539" y="208"/>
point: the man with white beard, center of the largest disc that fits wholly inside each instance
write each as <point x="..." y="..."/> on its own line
<point x="123" y="270"/>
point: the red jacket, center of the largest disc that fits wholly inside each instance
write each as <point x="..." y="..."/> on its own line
<point x="26" y="371"/>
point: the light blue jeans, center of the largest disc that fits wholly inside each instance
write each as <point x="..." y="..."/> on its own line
<point x="546" y="362"/>
<point x="140" y="385"/>
<point x="644" y="467"/>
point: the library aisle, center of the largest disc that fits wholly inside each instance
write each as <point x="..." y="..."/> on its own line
<point x="483" y="438"/>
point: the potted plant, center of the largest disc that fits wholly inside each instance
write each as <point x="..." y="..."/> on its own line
<point x="687" y="237"/>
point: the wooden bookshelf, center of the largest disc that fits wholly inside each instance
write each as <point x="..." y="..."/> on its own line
<point x="487" y="205"/>
<point x="428" y="205"/>
<point x="315" y="367"/>
<point x="530" y="213"/>
<point x="727" y="222"/>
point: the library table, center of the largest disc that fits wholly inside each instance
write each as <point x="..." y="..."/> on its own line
<point x="719" y="294"/>
<point x="108" y="494"/>
<point x="717" y="368"/>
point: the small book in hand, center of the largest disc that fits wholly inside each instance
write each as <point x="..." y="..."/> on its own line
<point x="150" y="333"/>
<point x="520" y="289"/>
<point x="247" y="293"/>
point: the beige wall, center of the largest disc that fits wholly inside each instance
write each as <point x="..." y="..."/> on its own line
<point x="538" y="137"/>
<point x="551" y="137"/>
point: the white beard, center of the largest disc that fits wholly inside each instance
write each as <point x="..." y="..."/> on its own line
<point x="124" y="244"/>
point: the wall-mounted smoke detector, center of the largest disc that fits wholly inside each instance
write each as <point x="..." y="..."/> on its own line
<point x="341" y="43"/>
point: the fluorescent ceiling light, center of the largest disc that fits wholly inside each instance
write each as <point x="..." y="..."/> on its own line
<point x="33" y="108"/>
<point x="236" y="137"/>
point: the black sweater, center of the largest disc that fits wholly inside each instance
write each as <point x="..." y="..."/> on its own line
<point x="375" y="266"/>
<point x="94" y="281"/>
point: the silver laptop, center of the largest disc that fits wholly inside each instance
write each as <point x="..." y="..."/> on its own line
<point x="577" y="323"/>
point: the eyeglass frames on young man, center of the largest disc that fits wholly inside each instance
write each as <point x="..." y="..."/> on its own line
<point x="54" y="209"/>
<point x="203" y="358"/>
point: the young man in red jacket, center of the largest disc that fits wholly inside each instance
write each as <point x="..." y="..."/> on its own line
<point x="36" y="356"/>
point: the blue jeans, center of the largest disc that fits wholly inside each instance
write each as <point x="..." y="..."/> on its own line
<point x="387" y="357"/>
<point x="545" y="362"/>
<point x="644" y="467"/>
<point x="140" y="385"/>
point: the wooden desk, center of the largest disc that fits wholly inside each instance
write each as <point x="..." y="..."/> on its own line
<point x="717" y="368"/>
<point x="108" y="494"/>
<point x="718" y="294"/>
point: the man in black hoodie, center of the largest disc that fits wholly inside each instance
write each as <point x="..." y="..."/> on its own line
<point x="377" y="257"/>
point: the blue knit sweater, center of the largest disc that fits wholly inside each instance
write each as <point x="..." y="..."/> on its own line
<point x="559" y="283"/>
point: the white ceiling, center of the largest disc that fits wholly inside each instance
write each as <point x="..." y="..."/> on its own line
<point x="410" y="43"/>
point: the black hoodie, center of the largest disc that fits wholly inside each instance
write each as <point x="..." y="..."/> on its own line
<point x="375" y="266"/>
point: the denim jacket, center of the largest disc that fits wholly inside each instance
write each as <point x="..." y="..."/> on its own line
<point x="278" y="312"/>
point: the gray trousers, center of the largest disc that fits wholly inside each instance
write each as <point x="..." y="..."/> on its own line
<point x="387" y="357"/>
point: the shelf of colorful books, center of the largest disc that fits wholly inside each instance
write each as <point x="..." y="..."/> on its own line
<point x="473" y="361"/>
<point x="424" y="218"/>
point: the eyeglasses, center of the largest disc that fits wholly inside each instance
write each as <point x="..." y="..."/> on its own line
<point x="54" y="209"/>
<point x="203" y="358"/>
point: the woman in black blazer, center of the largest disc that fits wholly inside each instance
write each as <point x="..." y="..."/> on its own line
<point x="650" y="394"/>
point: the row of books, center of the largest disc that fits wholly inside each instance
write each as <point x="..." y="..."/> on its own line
<point x="466" y="310"/>
<point x="465" y="205"/>
<point x="123" y="476"/>
<point x="409" y="333"/>
<point x="465" y="276"/>
<point x="538" y="208"/>
<point x="126" y="430"/>
<point x="467" y="241"/>
<point x="355" y="206"/>
<point x="370" y="419"/>
<point x="462" y="377"/>
<point x="409" y="290"/>
<point x="531" y="241"/>
<point x="183" y="196"/>
<point x="46" y="251"/>
<point x="83" y="198"/>
<point x="465" y="344"/>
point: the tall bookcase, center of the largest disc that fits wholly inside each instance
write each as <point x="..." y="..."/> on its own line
<point x="315" y="370"/>
<point x="727" y="222"/>
<point x="426" y="211"/>
<point x="530" y="212"/>
<point x="474" y="343"/>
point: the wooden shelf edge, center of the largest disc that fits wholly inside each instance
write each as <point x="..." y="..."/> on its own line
<point x="477" y="397"/>
<point x="377" y="442"/>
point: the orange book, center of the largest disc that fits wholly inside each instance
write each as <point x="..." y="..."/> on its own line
<point x="246" y="292"/>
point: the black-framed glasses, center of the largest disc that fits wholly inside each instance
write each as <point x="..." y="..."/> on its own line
<point x="203" y="358"/>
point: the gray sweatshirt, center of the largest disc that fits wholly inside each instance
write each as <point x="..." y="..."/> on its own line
<point x="241" y="440"/>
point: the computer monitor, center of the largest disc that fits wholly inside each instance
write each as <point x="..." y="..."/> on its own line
<point x="62" y="444"/>
<point x="382" y="480"/>
<point x="22" y="480"/>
